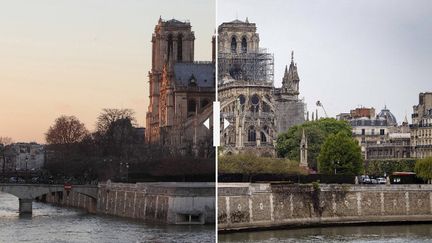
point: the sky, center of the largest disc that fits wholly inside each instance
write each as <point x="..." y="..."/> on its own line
<point x="64" y="57"/>
<point x="349" y="53"/>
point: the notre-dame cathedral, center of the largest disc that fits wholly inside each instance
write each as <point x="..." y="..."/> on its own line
<point x="182" y="91"/>
<point x="256" y="111"/>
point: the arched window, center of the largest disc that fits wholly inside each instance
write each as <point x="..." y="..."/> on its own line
<point x="255" y="100"/>
<point x="233" y="45"/>
<point x="180" y="47"/>
<point x="170" y="46"/>
<point x="263" y="137"/>
<point x="255" y="103"/>
<point x="242" y="101"/>
<point x="191" y="105"/>
<point x="244" y="45"/>
<point x="251" y="134"/>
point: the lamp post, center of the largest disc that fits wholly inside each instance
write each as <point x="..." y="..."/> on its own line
<point x="335" y="166"/>
<point x="127" y="172"/>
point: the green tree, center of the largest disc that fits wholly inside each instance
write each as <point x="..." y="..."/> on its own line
<point x="379" y="167"/>
<point x="288" y="143"/>
<point x="340" y="154"/>
<point x="423" y="168"/>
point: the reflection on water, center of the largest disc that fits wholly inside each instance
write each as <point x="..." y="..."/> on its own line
<point x="54" y="224"/>
<point x="387" y="233"/>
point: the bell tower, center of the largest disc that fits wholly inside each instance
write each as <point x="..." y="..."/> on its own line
<point x="172" y="42"/>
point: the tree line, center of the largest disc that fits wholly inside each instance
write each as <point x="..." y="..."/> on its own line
<point x="115" y="150"/>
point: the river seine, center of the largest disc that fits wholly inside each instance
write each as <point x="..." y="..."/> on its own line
<point x="56" y="224"/>
<point x="358" y="234"/>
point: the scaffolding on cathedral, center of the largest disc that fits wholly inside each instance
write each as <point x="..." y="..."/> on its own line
<point x="254" y="68"/>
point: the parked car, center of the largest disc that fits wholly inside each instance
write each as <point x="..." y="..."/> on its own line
<point x="374" y="181"/>
<point x="364" y="179"/>
<point x="13" y="179"/>
<point x="381" y="180"/>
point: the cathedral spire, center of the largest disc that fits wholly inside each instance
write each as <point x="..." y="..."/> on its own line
<point x="290" y="81"/>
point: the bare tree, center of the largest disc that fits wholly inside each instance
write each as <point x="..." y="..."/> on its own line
<point x="66" y="130"/>
<point x="6" y="140"/>
<point x="110" y="116"/>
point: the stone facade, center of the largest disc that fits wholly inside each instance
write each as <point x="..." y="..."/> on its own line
<point x="23" y="157"/>
<point x="182" y="91"/>
<point x="379" y="136"/>
<point x="256" y="110"/>
<point x="421" y="127"/>
<point x="247" y="206"/>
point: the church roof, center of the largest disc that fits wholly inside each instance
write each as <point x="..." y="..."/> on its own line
<point x="202" y="74"/>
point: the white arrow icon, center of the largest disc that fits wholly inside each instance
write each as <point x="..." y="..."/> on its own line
<point x="207" y="123"/>
<point x="226" y="123"/>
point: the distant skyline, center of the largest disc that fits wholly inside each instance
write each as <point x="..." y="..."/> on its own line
<point x="77" y="57"/>
<point x="349" y="53"/>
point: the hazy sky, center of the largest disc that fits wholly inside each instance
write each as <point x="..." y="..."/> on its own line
<point x="349" y="53"/>
<point x="78" y="57"/>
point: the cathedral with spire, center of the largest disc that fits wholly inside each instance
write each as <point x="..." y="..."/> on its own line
<point x="256" y="110"/>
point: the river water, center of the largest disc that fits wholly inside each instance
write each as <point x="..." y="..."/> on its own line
<point x="55" y="224"/>
<point x="386" y="233"/>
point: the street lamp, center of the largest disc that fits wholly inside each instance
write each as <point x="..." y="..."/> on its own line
<point x="335" y="165"/>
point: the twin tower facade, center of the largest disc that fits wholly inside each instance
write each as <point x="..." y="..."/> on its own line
<point x="182" y="91"/>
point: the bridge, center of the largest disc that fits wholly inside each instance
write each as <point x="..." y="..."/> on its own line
<point x="26" y="193"/>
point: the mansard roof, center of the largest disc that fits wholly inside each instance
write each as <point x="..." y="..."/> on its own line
<point x="202" y="72"/>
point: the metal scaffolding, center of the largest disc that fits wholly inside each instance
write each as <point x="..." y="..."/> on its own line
<point x="254" y="68"/>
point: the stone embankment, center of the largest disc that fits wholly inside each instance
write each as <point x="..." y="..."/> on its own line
<point x="172" y="203"/>
<point x="244" y="206"/>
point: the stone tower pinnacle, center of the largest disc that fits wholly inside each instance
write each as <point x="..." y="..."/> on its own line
<point x="303" y="151"/>
<point x="290" y="81"/>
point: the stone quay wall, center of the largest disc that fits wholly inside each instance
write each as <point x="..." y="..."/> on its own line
<point x="244" y="206"/>
<point x="71" y="199"/>
<point x="165" y="202"/>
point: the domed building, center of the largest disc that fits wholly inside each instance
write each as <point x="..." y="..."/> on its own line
<point x="388" y="116"/>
